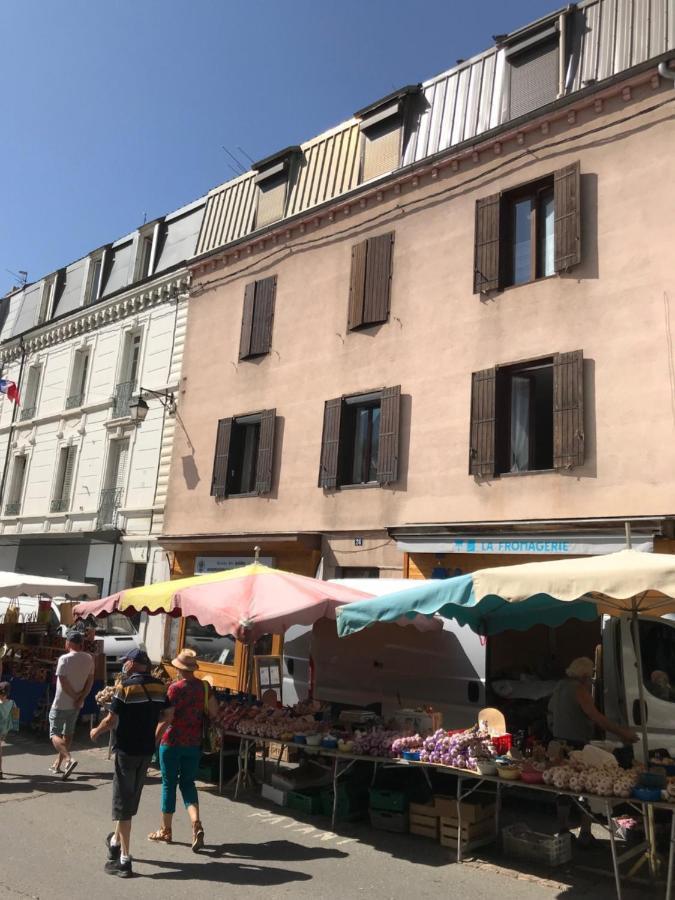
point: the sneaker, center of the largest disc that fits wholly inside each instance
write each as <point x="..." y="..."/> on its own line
<point x="114" y="850"/>
<point x="70" y="765"/>
<point x="54" y="769"/>
<point x="119" y="868"/>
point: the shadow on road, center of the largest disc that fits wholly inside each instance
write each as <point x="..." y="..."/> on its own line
<point x="284" y="851"/>
<point x="223" y="873"/>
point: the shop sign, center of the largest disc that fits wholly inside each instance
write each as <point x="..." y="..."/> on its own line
<point x="206" y="564"/>
<point x="530" y="545"/>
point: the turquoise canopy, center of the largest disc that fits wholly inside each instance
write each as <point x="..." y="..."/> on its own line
<point x="454" y="598"/>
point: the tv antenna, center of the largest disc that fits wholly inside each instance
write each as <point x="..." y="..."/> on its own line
<point x="20" y="277"/>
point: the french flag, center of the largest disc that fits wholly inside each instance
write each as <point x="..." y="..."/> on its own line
<point x="9" y="388"/>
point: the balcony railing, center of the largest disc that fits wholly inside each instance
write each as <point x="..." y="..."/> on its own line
<point x="13" y="508"/>
<point x="107" y="508"/>
<point x="123" y="394"/>
<point x="59" y="505"/>
<point x="26" y="412"/>
<point x="73" y="401"/>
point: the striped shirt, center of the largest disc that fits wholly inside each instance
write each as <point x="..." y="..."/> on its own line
<point x="138" y="702"/>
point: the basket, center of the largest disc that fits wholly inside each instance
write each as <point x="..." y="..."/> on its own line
<point x="551" y="849"/>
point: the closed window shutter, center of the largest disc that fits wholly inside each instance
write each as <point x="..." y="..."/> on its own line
<point x="486" y="266"/>
<point x="263" y="316"/>
<point x="357" y="285"/>
<point x="68" y="471"/>
<point x="330" y="443"/>
<point x="247" y="321"/>
<point x="482" y="451"/>
<point x="378" y="279"/>
<point x="568" y="409"/>
<point x="567" y="203"/>
<point x="387" y="459"/>
<point x="263" y="475"/>
<point x="122" y="459"/>
<point x="534" y="78"/>
<point x="220" y="458"/>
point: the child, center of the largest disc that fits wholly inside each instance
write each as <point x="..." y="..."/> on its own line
<point x="6" y="717"/>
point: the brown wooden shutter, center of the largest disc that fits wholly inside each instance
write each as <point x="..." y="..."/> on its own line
<point x="220" y="458"/>
<point x="263" y="316"/>
<point x="247" y="321"/>
<point x="377" y="290"/>
<point x="568" y="409"/>
<point x="357" y="285"/>
<point x="486" y="264"/>
<point x="330" y="443"/>
<point x="263" y="475"/>
<point x="387" y="458"/>
<point x="567" y="228"/>
<point x="482" y="449"/>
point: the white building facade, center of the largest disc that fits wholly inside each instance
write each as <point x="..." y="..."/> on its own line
<point x="83" y="485"/>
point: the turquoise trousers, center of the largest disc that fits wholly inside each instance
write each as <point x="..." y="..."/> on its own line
<point x="179" y="767"/>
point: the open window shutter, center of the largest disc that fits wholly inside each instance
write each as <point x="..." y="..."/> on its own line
<point x="330" y="443"/>
<point x="247" y="321"/>
<point x="486" y="265"/>
<point x="482" y="450"/>
<point x="220" y="458"/>
<point x="568" y="409"/>
<point x="387" y="459"/>
<point x="567" y="229"/>
<point x="68" y="471"/>
<point x="263" y="475"/>
<point x="357" y="285"/>
<point x="263" y="316"/>
<point x="378" y="279"/>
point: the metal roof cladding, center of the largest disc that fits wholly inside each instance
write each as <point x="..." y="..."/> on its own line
<point x="603" y="38"/>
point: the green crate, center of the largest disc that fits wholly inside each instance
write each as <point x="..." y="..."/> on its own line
<point x="351" y="805"/>
<point x="388" y="801"/>
<point x="310" y="804"/>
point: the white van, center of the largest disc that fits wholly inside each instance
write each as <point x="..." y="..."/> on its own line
<point x="117" y="631"/>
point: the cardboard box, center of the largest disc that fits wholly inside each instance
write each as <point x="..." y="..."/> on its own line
<point x="282" y="752"/>
<point x="473" y="809"/>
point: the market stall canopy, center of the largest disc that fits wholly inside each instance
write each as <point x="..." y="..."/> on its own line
<point x="246" y="602"/>
<point x="18" y="584"/>
<point x="541" y="593"/>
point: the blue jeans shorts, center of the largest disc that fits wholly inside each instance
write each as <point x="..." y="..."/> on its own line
<point x="62" y="722"/>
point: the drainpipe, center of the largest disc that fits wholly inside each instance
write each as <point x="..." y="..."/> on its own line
<point x="666" y="72"/>
<point x="15" y="409"/>
<point x="562" y="52"/>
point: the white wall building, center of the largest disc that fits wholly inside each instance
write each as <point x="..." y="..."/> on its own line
<point x="82" y="487"/>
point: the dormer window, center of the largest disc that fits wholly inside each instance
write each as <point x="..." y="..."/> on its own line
<point x="274" y="174"/>
<point x="382" y="126"/>
<point x="533" y="59"/>
<point x="146" y="251"/>
<point x="95" y="276"/>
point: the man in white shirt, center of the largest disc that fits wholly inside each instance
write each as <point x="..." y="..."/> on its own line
<point x="74" y="678"/>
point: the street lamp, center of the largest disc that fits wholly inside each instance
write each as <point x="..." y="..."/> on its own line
<point x="138" y="408"/>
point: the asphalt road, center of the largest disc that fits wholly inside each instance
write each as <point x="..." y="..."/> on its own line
<point x="52" y="848"/>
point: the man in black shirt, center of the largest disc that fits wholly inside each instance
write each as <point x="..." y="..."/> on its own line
<point x="139" y="704"/>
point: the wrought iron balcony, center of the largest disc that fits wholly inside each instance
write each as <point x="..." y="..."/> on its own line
<point x="124" y="391"/>
<point x="26" y="412"/>
<point x="59" y="505"/>
<point x="13" y="509"/>
<point x="74" y="400"/>
<point x="107" y="508"/>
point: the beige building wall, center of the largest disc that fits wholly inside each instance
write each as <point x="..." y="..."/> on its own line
<point x="618" y="306"/>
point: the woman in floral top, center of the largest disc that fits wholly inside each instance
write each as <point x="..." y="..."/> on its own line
<point x="180" y="746"/>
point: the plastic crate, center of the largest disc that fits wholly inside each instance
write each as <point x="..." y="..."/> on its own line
<point x="551" y="849"/>
<point x="351" y="805"/>
<point x="389" y="821"/>
<point x="310" y="804"/>
<point x="389" y="801"/>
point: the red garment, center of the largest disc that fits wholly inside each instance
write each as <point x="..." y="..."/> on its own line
<point x="187" y="699"/>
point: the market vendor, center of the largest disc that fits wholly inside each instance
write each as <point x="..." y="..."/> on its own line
<point x="573" y="713"/>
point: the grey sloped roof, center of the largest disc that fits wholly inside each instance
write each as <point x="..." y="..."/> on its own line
<point x="28" y="308"/>
<point x="179" y="236"/>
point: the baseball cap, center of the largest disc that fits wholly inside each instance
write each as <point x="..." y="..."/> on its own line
<point x="74" y="636"/>
<point x="138" y="656"/>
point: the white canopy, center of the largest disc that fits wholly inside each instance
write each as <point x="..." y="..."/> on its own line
<point x="17" y="584"/>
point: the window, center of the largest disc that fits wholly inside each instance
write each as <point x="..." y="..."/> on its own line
<point x="534" y="72"/>
<point x="78" y="380"/>
<point x="370" y="283"/>
<point x="382" y="124"/>
<point x="112" y="494"/>
<point x="657" y="643"/>
<point x="51" y="288"/>
<point x="126" y="386"/>
<point x="273" y="177"/>
<point x="527" y="233"/>
<point x="146" y="257"/>
<point x="257" y="318"/>
<point x="360" y="439"/>
<point x="64" y="479"/>
<point x="29" y="407"/>
<point x="94" y="286"/>
<point x="244" y="454"/>
<point x="13" y="505"/>
<point x="209" y="645"/>
<point x="528" y="417"/>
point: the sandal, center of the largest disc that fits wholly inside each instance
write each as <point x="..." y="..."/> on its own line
<point x="161" y="835"/>
<point x="197" y="836"/>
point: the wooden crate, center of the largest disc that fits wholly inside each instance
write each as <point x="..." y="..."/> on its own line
<point x="474" y="834"/>
<point x="473" y="809"/>
<point x="424" y="825"/>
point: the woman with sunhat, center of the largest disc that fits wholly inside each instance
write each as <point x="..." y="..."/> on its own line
<point x="180" y="746"/>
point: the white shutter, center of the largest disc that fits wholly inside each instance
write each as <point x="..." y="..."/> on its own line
<point x="122" y="461"/>
<point x="68" y="471"/>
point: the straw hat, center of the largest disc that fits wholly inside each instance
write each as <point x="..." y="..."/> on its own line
<point x="186" y="661"/>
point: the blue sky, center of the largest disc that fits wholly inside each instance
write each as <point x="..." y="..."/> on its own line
<point x="116" y="110"/>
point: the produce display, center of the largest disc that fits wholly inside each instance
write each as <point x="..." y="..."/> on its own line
<point x="460" y="749"/>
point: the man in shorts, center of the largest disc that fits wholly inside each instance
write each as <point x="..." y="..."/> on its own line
<point x="138" y="706"/>
<point x="74" y="678"/>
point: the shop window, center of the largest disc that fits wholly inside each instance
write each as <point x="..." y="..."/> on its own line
<point x="263" y="646"/>
<point x="370" y="281"/>
<point x="244" y="455"/>
<point x="528" y="417"/>
<point x="138" y="574"/>
<point x="529" y="232"/>
<point x="208" y="644"/>
<point x="657" y="644"/>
